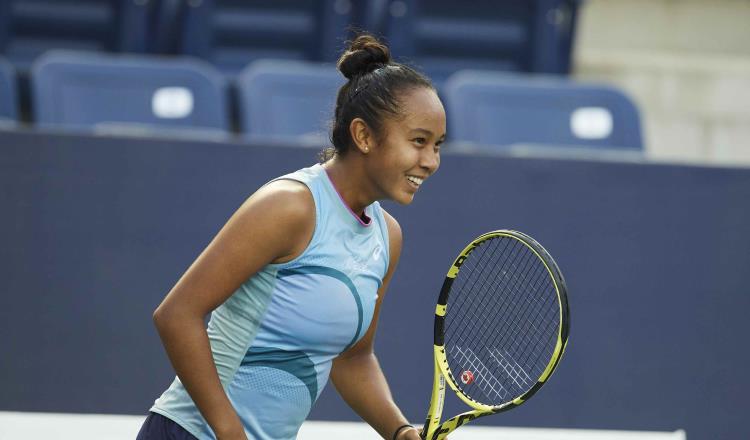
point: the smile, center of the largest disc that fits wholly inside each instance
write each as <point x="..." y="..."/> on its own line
<point x="415" y="181"/>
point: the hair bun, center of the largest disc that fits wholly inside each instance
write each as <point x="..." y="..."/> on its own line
<point x="364" y="54"/>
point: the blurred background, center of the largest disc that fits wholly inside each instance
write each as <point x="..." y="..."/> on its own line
<point x="615" y="132"/>
<point x="687" y="65"/>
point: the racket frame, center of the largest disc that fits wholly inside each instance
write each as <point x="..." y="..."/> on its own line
<point x="435" y="430"/>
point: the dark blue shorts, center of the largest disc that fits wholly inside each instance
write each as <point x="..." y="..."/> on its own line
<point x="158" y="427"/>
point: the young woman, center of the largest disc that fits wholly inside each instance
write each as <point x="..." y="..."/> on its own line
<point x="296" y="277"/>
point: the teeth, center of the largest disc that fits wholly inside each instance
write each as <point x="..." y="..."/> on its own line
<point x="415" y="180"/>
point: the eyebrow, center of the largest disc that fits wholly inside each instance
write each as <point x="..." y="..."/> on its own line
<point x="425" y="131"/>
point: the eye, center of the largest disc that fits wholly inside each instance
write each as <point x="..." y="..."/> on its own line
<point x="420" y="140"/>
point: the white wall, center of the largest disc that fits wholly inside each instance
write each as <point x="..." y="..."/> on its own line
<point x="686" y="63"/>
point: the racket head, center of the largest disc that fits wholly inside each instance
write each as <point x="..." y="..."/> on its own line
<point x="501" y="322"/>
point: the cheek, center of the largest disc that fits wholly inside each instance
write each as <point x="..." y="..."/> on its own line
<point x="400" y="157"/>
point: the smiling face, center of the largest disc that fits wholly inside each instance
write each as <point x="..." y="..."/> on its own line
<point x="408" y="149"/>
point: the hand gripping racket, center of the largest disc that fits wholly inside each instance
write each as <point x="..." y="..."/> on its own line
<point x="501" y="326"/>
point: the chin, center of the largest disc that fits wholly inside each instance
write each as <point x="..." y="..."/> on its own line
<point x="403" y="199"/>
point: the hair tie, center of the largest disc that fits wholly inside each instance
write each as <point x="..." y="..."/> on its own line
<point x="362" y="88"/>
<point x="357" y="91"/>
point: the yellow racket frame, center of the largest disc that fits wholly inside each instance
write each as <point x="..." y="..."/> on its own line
<point x="433" y="429"/>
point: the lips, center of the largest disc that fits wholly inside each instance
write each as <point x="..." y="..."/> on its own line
<point x="416" y="181"/>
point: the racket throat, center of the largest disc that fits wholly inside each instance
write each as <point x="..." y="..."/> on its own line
<point x="453" y="423"/>
<point x="436" y="404"/>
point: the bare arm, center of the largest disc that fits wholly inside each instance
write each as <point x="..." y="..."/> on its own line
<point x="273" y="225"/>
<point x="356" y="373"/>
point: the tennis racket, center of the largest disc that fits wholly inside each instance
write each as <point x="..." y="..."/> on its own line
<point x="501" y="327"/>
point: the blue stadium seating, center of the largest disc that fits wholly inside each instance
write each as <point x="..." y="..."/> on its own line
<point x="30" y="27"/>
<point x="80" y="90"/>
<point x="8" y="94"/>
<point x="370" y="15"/>
<point x="443" y="36"/>
<point x="287" y="99"/>
<point x="491" y="109"/>
<point x="165" y="25"/>
<point x="233" y="33"/>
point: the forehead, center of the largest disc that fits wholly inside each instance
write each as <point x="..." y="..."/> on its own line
<point x="421" y="108"/>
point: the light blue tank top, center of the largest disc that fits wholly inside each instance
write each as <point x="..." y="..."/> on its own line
<point x="274" y="339"/>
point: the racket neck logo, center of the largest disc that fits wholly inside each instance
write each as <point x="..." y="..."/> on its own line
<point x="453" y="424"/>
<point x="465" y="418"/>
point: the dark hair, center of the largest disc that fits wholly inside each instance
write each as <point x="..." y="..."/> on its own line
<point x="375" y="81"/>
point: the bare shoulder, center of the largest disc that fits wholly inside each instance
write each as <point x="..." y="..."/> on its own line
<point x="288" y="200"/>
<point x="273" y="225"/>
<point x="281" y="212"/>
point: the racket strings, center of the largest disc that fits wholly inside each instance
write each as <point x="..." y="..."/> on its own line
<point x="517" y="338"/>
<point x="480" y="300"/>
<point x="478" y="312"/>
<point x="510" y="368"/>
<point x="492" y="387"/>
<point x="502" y="322"/>
<point x="489" y="384"/>
<point x="520" y="336"/>
<point x="528" y="336"/>
<point x="547" y="315"/>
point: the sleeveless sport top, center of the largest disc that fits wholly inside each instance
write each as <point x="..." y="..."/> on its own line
<point x="273" y="341"/>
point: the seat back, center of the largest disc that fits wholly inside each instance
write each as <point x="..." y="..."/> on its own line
<point x="8" y="92"/>
<point x="29" y="28"/>
<point x="443" y="36"/>
<point x="85" y="90"/>
<point x="233" y="33"/>
<point x="489" y="108"/>
<point x="287" y="99"/>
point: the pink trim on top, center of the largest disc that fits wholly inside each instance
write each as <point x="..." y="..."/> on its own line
<point x="359" y="219"/>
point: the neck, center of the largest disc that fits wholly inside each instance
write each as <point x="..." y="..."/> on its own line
<point x="347" y="177"/>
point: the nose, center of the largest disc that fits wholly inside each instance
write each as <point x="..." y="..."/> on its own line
<point x="430" y="160"/>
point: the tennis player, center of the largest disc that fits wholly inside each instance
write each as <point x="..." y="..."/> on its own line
<point x="295" y="280"/>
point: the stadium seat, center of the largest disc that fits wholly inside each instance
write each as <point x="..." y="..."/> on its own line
<point x="28" y="28"/>
<point x="287" y="99"/>
<point x="233" y="33"/>
<point x="443" y="36"/>
<point x="84" y="90"/>
<point x="165" y="25"/>
<point x="491" y="109"/>
<point x="8" y="94"/>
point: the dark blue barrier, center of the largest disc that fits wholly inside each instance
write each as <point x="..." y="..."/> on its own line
<point x="96" y="230"/>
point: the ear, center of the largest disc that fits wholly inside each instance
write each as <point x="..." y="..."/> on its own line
<point x="361" y="135"/>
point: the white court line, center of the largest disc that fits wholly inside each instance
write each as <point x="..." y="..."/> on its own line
<point x="39" y="426"/>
